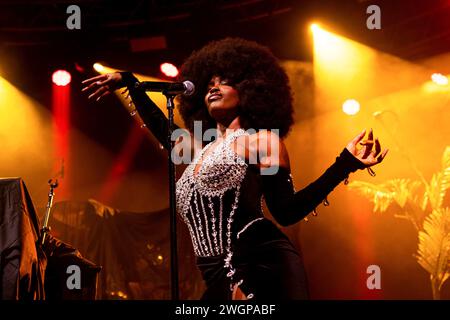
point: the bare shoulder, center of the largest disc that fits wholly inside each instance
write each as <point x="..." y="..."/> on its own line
<point x="267" y="148"/>
<point x="274" y="148"/>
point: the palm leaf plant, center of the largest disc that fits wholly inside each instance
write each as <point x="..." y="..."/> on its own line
<point x="421" y="203"/>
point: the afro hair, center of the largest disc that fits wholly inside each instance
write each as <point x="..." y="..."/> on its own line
<point x="265" y="99"/>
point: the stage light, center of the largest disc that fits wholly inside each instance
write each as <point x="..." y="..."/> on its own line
<point x="61" y="127"/>
<point x="439" y="79"/>
<point x="169" y="69"/>
<point x="99" y="67"/>
<point x="350" y="107"/>
<point x="342" y="68"/>
<point x="61" y="78"/>
<point x="334" y="50"/>
<point x="122" y="164"/>
<point x="22" y="117"/>
<point x="314" y="27"/>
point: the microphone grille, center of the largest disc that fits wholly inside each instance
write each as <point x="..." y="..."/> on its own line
<point x="190" y="88"/>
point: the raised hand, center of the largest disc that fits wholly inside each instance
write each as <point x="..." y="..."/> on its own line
<point x="102" y="85"/>
<point x="366" y="155"/>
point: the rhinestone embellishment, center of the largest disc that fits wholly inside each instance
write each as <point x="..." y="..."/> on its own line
<point x="200" y="197"/>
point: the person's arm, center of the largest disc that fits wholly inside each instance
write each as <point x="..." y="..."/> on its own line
<point x="150" y="113"/>
<point x="288" y="206"/>
<point x="104" y="84"/>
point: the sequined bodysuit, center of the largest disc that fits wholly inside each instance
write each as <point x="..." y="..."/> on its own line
<point x="201" y="197"/>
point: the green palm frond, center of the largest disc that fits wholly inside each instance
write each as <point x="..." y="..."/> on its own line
<point x="378" y="194"/>
<point x="433" y="253"/>
<point x="382" y="195"/>
<point x="439" y="184"/>
<point x="403" y="189"/>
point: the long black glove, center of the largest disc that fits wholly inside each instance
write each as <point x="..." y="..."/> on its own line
<point x="152" y="116"/>
<point x="288" y="206"/>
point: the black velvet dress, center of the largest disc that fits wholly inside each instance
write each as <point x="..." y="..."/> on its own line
<point x="221" y="205"/>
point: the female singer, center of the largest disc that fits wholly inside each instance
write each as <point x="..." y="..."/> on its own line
<point x="240" y="86"/>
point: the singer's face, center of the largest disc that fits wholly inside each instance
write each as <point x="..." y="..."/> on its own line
<point x="221" y="98"/>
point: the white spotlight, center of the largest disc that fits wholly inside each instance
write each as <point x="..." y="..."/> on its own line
<point x="439" y="79"/>
<point x="350" y="107"/>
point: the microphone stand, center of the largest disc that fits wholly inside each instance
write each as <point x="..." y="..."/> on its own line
<point x="172" y="201"/>
<point x="51" y="194"/>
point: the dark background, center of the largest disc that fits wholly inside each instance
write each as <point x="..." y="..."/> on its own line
<point x="35" y="40"/>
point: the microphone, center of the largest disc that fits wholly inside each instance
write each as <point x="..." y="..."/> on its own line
<point x="186" y="87"/>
